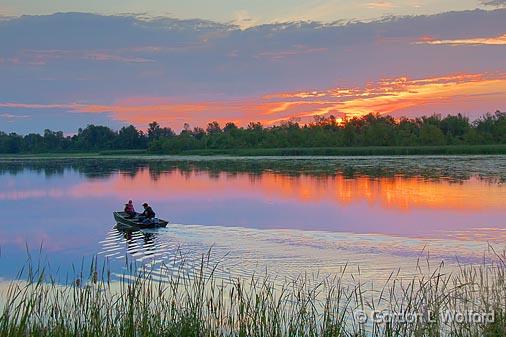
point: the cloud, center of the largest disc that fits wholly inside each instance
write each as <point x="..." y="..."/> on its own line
<point x="244" y="20"/>
<point x="296" y="50"/>
<point x="10" y="118"/>
<point x="42" y="57"/>
<point x="496" y="3"/>
<point x="388" y="96"/>
<point x="380" y="5"/>
<point x="34" y="106"/>
<point x="491" y="41"/>
<point x="8" y="115"/>
<point x="5" y="12"/>
<point x="107" y="69"/>
<point x="99" y="56"/>
<point x="383" y="97"/>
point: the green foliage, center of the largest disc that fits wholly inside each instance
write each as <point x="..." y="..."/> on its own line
<point x="357" y="151"/>
<point x="155" y="132"/>
<point x="324" y="132"/>
<point x="431" y="135"/>
<point x="90" y="139"/>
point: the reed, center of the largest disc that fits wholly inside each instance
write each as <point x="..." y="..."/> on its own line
<point x="197" y="302"/>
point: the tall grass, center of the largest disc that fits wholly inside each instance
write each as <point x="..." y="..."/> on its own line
<point x="197" y="302"/>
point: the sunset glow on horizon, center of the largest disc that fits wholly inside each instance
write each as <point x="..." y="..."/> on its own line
<point x="125" y="69"/>
<point x="386" y="97"/>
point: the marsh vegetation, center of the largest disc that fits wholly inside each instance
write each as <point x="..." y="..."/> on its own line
<point x="196" y="302"/>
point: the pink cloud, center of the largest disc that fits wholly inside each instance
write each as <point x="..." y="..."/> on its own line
<point x="451" y="93"/>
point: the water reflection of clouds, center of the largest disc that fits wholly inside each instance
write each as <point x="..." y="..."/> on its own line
<point x="402" y="193"/>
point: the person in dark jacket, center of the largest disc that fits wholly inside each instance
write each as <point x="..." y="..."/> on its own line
<point x="148" y="213"/>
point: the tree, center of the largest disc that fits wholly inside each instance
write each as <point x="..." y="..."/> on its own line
<point x="10" y="143"/>
<point x="186" y="128"/>
<point x="155" y="131"/>
<point x="130" y="138"/>
<point x="431" y="135"/>
<point x="53" y="141"/>
<point x="368" y="130"/>
<point x="95" y="138"/>
<point x="254" y="134"/>
<point x="230" y="127"/>
<point x="350" y="134"/>
<point x="34" y="142"/>
<point x="499" y="131"/>
<point x="379" y="130"/>
<point x="198" y="133"/>
<point x="455" y="128"/>
<point x="213" y="128"/>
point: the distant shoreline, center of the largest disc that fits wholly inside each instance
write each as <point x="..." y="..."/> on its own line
<point x="444" y="150"/>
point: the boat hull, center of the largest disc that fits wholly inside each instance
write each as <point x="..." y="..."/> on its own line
<point x="122" y="220"/>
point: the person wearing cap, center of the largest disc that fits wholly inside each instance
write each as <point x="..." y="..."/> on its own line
<point x="130" y="210"/>
<point x="148" y="213"/>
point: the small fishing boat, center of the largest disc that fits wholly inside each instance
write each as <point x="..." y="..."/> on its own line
<point x="122" y="219"/>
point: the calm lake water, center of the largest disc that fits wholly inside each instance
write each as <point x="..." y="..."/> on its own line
<point x="282" y="216"/>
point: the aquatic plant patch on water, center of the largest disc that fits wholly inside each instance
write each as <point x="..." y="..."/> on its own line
<point x="470" y="302"/>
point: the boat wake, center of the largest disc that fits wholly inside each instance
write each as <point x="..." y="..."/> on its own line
<point x="230" y="252"/>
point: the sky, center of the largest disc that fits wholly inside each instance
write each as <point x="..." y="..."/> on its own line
<point x="247" y="13"/>
<point x="66" y="64"/>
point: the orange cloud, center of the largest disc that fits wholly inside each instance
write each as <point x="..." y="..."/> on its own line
<point x="380" y="5"/>
<point x="399" y="95"/>
<point x="491" y="41"/>
<point x="389" y="96"/>
<point x="383" y="97"/>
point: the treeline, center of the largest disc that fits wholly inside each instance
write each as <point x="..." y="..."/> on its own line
<point x="93" y="138"/>
<point x="369" y="130"/>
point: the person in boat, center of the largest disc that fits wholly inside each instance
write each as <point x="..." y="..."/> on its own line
<point x="130" y="210"/>
<point x="148" y="213"/>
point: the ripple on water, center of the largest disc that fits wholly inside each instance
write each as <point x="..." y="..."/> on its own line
<point x="283" y="254"/>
